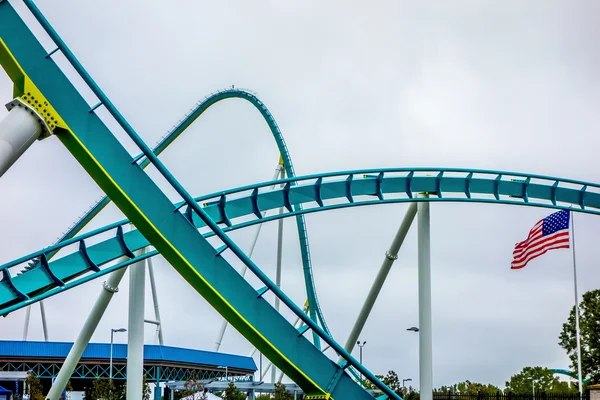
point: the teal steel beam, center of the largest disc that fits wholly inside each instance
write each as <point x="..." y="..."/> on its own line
<point x="545" y="192"/>
<point x="137" y="195"/>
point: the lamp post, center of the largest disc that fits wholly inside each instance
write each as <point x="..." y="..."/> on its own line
<point x="403" y="387"/>
<point x="413" y="329"/>
<point x="221" y="367"/>
<point x="112" y="332"/>
<point x="361" y="347"/>
<point x="533" y="381"/>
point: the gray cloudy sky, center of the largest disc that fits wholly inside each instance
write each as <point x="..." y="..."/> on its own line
<point x="507" y="85"/>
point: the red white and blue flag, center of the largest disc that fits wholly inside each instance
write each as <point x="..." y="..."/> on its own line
<point x="549" y="233"/>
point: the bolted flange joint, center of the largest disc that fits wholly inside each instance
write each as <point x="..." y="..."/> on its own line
<point x="109" y="288"/>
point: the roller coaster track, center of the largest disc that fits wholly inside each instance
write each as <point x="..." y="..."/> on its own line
<point x="243" y="207"/>
<point x="77" y="126"/>
<point x="180" y="232"/>
<point x="170" y="137"/>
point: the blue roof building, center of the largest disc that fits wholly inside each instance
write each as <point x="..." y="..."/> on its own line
<point x="161" y="363"/>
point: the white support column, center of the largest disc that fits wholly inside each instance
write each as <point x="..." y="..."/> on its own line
<point x="109" y="288"/>
<point x="27" y="318"/>
<point x="135" y="340"/>
<point x="390" y="256"/>
<point x="18" y="131"/>
<point x="44" y="324"/>
<point x="278" y="271"/>
<point x="425" y="324"/>
<point x="155" y="301"/>
<point x="245" y="268"/>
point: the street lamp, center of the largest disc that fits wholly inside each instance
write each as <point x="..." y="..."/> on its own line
<point x="406" y="380"/>
<point x="414" y="329"/>
<point x="221" y="367"/>
<point x="112" y="332"/>
<point x="361" y="347"/>
<point x="533" y="388"/>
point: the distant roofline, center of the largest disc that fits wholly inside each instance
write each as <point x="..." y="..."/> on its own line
<point x="18" y="349"/>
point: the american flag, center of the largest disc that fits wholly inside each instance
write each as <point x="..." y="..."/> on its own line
<point x="549" y="233"/>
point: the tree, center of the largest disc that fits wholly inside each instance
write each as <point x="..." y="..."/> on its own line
<point x="193" y="387"/>
<point x="589" y="321"/>
<point x="233" y="393"/>
<point x="543" y="380"/>
<point x="392" y="381"/>
<point x="263" y="397"/>
<point x="104" y="389"/>
<point x="412" y="394"/>
<point x="367" y="384"/>
<point x="122" y="391"/>
<point x="36" y="391"/>
<point x="468" y="387"/>
<point x="281" y="392"/>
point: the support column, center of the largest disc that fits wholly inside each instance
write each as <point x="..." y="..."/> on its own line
<point x="44" y="324"/>
<point x="390" y="256"/>
<point x="278" y="271"/>
<point x="109" y="288"/>
<point x="135" y="340"/>
<point x="155" y="301"/>
<point x="157" y="392"/>
<point x="26" y="327"/>
<point x="18" y="131"/>
<point x="425" y="324"/>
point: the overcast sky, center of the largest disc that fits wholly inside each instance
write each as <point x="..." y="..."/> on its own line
<point x="509" y="85"/>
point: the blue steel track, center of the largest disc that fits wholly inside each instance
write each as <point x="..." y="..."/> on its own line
<point x="180" y="231"/>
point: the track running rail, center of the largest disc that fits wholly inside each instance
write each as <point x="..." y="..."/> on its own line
<point x="231" y="209"/>
<point x="105" y="159"/>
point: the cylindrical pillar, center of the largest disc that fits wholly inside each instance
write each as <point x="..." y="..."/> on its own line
<point x="278" y="271"/>
<point x="18" y="131"/>
<point x="155" y="301"/>
<point x="425" y="325"/>
<point x="135" y="340"/>
<point x="44" y="324"/>
<point x="27" y="318"/>
<point x="158" y="395"/>
<point x="110" y="287"/>
<point x="390" y="256"/>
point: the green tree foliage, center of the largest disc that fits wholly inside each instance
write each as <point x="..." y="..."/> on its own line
<point x="104" y="389"/>
<point x="468" y="387"/>
<point x="412" y="395"/>
<point x="122" y="391"/>
<point x="233" y="393"/>
<point x="281" y="392"/>
<point x="263" y="397"/>
<point x="36" y="390"/>
<point x="392" y="381"/>
<point x="589" y="323"/>
<point x="368" y="385"/>
<point x="193" y="386"/>
<point x="545" y="381"/>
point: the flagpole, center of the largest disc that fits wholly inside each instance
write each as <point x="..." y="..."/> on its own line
<point x="576" y="303"/>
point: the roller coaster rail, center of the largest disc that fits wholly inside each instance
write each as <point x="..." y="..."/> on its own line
<point x="180" y="232"/>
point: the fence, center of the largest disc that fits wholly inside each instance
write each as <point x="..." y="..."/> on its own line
<point x="511" y="396"/>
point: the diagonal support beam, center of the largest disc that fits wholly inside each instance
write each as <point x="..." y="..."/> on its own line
<point x="109" y="288"/>
<point x="390" y="256"/>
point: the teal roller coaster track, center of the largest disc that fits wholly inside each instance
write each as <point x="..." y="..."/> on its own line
<point x="180" y="232"/>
